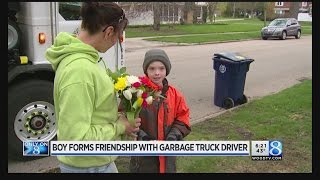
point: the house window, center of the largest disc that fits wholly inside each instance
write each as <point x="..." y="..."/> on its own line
<point x="304" y="4"/>
<point x="278" y="12"/>
<point x="279" y="3"/>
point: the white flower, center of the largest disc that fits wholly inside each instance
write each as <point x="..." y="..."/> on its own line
<point x="127" y="94"/>
<point x="139" y="93"/>
<point x="132" y="79"/>
<point x="149" y="100"/>
<point x="133" y="90"/>
<point x="157" y="93"/>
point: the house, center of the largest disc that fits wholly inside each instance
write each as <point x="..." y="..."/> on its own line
<point x="141" y="13"/>
<point x="283" y="8"/>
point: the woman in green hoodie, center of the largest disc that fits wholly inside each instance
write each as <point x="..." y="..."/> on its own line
<point x="86" y="108"/>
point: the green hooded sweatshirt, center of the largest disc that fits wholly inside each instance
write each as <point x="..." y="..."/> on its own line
<point x="86" y="107"/>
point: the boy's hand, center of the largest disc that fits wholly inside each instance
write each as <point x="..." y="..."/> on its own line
<point x="143" y="136"/>
<point x="174" y="135"/>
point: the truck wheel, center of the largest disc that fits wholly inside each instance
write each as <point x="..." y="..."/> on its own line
<point x="30" y="115"/>
<point x="14" y="35"/>
<point x="228" y="103"/>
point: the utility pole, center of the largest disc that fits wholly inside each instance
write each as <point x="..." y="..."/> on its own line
<point x="265" y="13"/>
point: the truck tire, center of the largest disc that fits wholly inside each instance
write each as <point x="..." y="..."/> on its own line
<point x="30" y="115"/>
<point x="14" y="35"/>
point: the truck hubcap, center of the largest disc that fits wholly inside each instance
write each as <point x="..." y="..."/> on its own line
<point x="36" y="121"/>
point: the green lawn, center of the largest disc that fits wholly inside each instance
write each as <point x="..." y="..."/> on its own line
<point x="220" y="31"/>
<point x="205" y="38"/>
<point x="219" y="27"/>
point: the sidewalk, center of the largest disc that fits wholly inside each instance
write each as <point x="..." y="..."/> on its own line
<point x="142" y="42"/>
<point x="132" y="44"/>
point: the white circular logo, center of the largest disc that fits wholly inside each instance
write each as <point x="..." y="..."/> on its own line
<point x="222" y="68"/>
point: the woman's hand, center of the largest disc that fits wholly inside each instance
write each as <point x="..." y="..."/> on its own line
<point x="130" y="130"/>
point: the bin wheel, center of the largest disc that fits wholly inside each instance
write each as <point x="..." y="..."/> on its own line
<point x="228" y="103"/>
<point x="244" y="99"/>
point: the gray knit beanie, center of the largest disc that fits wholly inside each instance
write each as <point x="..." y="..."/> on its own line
<point x="156" y="55"/>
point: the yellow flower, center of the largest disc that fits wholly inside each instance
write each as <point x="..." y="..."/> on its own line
<point x="121" y="83"/>
<point x="137" y="105"/>
<point x="139" y="101"/>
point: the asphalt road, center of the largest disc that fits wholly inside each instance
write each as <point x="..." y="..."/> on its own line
<point x="278" y="64"/>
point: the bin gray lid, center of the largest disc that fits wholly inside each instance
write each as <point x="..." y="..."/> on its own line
<point x="232" y="56"/>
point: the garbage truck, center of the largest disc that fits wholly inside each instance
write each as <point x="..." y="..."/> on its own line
<point x="32" y="27"/>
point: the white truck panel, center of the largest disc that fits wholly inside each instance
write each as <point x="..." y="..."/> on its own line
<point x="34" y="13"/>
<point x="34" y="18"/>
<point x="30" y="42"/>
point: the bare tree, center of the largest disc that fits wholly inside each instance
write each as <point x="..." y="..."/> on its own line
<point x="269" y="11"/>
<point x="234" y="9"/>
<point x="294" y="9"/>
<point x="188" y="12"/>
<point x="204" y="14"/>
<point x="253" y="8"/>
<point x="212" y="6"/>
<point x="156" y="15"/>
<point x="222" y="7"/>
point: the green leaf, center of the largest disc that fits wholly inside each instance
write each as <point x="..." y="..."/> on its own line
<point x="109" y="72"/>
<point x="114" y="77"/>
<point x="130" y="116"/>
<point x="135" y="106"/>
<point x="137" y="112"/>
<point x="123" y="70"/>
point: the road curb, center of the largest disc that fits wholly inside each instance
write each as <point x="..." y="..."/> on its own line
<point x="210" y="116"/>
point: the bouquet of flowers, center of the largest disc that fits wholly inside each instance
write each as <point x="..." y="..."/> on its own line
<point x="134" y="92"/>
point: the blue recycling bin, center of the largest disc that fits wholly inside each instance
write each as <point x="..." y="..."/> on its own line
<point x="230" y="75"/>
